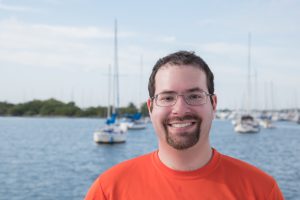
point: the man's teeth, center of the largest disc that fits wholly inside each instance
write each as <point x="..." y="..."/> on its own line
<point x="181" y="125"/>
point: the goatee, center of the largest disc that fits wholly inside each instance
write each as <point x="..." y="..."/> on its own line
<point x="183" y="140"/>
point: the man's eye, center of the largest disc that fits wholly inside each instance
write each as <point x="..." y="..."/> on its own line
<point x="167" y="98"/>
<point x="195" y="96"/>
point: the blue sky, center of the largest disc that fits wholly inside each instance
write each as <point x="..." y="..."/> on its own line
<point x="62" y="48"/>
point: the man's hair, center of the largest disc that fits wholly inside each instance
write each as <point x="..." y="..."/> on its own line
<point x="182" y="58"/>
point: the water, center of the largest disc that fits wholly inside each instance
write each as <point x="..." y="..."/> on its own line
<point x="55" y="158"/>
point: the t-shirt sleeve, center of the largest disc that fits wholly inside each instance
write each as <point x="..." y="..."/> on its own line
<point x="95" y="192"/>
<point x="276" y="193"/>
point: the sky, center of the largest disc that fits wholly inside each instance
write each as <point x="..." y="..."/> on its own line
<point x="62" y="49"/>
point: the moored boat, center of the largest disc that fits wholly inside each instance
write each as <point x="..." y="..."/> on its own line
<point x="111" y="134"/>
<point x="137" y="125"/>
<point x="247" y="124"/>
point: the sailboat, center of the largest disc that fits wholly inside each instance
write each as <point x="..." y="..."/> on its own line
<point x="247" y="123"/>
<point x="112" y="132"/>
<point x="135" y="121"/>
<point x="265" y="118"/>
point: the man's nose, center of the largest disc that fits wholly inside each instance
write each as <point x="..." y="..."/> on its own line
<point x="180" y="107"/>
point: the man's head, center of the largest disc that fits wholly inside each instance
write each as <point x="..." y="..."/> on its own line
<point x="180" y="88"/>
<point x="181" y="58"/>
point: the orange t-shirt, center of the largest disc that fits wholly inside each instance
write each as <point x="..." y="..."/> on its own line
<point x="146" y="177"/>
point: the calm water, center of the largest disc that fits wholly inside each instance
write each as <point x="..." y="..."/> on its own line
<point x="55" y="158"/>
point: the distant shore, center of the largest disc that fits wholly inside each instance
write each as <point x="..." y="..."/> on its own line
<point x="56" y="108"/>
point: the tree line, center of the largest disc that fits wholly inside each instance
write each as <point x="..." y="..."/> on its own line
<point x="53" y="107"/>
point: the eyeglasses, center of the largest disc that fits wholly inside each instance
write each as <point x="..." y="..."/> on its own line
<point x="191" y="98"/>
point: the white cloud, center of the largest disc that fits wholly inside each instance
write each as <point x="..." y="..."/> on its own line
<point x="7" y="7"/>
<point x="15" y="27"/>
<point x="168" y="39"/>
<point x="224" y="48"/>
<point x="72" y="48"/>
<point x="206" y="22"/>
<point x="56" y="46"/>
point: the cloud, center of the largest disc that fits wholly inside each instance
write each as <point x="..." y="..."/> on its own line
<point x="168" y="39"/>
<point x="224" y="48"/>
<point x="6" y="7"/>
<point x="15" y="27"/>
<point x="46" y="45"/>
<point x="206" y="22"/>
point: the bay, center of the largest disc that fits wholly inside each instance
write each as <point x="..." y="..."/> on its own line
<point x="56" y="158"/>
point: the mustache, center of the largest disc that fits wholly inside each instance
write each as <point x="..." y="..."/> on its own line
<point x="182" y="118"/>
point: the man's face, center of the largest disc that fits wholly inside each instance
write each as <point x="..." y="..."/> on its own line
<point x="181" y="126"/>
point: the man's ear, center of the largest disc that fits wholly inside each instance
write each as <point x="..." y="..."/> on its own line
<point x="149" y="105"/>
<point x="214" y="103"/>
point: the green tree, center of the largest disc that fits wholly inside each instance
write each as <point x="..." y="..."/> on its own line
<point x="53" y="107"/>
<point x="130" y="109"/>
<point x="50" y="107"/>
<point x="95" y="112"/>
<point x="4" y="108"/>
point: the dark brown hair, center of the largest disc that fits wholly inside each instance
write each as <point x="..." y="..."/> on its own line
<point x="182" y="58"/>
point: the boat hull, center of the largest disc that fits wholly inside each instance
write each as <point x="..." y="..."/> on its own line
<point x="103" y="137"/>
<point x="111" y="134"/>
<point x="246" y="129"/>
<point x="247" y="124"/>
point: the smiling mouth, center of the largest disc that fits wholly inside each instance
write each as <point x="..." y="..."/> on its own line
<point x="181" y="125"/>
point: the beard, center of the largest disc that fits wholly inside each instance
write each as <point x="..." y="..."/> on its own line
<point x="185" y="139"/>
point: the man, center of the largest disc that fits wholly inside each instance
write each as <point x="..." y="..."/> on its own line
<point x="182" y="105"/>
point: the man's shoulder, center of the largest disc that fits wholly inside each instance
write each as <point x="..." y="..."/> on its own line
<point x="238" y="164"/>
<point x="244" y="169"/>
<point x="250" y="179"/>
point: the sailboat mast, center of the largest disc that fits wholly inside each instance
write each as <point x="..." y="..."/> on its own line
<point x="109" y="87"/>
<point x="116" y="66"/>
<point x="256" y="99"/>
<point x="249" y="74"/>
<point x="272" y="96"/>
<point x="140" y="86"/>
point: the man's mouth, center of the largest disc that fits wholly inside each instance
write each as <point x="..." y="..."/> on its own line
<point x="181" y="124"/>
<point x="182" y="132"/>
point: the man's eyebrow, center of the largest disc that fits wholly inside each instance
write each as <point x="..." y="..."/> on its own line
<point x="195" y="89"/>
<point x="167" y="92"/>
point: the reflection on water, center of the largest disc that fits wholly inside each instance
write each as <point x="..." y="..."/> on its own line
<point x="55" y="158"/>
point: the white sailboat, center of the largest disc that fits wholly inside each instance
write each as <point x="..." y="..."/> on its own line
<point x="112" y="132"/>
<point x="136" y="124"/>
<point x="139" y="123"/>
<point x="266" y="123"/>
<point x="265" y="117"/>
<point x="265" y="120"/>
<point x="247" y="123"/>
<point x="135" y="121"/>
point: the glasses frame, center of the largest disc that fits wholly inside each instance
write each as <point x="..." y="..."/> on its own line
<point x="154" y="98"/>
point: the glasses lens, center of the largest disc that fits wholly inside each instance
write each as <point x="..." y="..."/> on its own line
<point x="167" y="99"/>
<point x="195" y="98"/>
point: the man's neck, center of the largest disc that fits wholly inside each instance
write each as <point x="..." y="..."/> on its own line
<point x="186" y="160"/>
